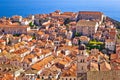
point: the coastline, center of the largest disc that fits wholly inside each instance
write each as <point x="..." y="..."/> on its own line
<point x="110" y="14"/>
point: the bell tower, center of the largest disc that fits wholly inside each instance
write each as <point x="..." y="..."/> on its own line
<point x="82" y="63"/>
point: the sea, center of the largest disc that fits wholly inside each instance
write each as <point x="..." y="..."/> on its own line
<point x="24" y="8"/>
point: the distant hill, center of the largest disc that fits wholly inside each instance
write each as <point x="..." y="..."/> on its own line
<point x="115" y="22"/>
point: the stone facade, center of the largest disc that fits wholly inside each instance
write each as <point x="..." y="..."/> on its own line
<point x="103" y="75"/>
<point x="86" y="28"/>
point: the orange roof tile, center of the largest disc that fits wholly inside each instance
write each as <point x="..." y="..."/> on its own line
<point x="2" y="40"/>
<point x="86" y="23"/>
<point x="109" y="40"/>
<point x="104" y="66"/>
<point x="84" y="38"/>
<point x="90" y="12"/>
<point x="113" y="56"/>
<point x="42" y="63"/>
<point x="15" y="26"/>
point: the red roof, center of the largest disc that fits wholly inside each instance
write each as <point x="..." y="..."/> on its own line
<point x="90" y="12"/>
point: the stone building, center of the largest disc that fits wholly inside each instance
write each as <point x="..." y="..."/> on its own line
<point x="103" y="75"/>
<point x="82" y="63"/>
<point x="90" y="15"/>
<point x="86" y="28"/>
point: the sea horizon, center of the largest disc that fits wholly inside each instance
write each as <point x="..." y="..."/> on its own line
<point x="28" y="7"/>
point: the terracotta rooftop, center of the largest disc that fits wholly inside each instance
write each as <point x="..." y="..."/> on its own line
<point x="113" y="56"/>
<point x="68" y="13"/>
<point x="84" y="38"/>
<point x="21" y="51"/>
<point x="86" y="23"/>
<point x="104" y="66"/>
<point x="2" y="40"/>
<point x="16" y="16"/>
<point x="109" y="40"/>
<point x="97" y="34"/>
<point x="13" y="25"/>
<point x="71" y="72"/>
<point x="39" y="65"/>
<point x="90" y="12"/>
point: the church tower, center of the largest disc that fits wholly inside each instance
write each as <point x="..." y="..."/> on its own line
<point x="82" y="63"/>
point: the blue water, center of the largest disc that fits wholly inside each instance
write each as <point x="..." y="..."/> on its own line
<point x="26" y="7"/>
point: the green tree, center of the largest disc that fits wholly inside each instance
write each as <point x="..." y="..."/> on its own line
<point x="31" y="24"/>
<point x="77" y="34"/>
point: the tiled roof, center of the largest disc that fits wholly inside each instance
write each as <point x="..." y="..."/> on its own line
<point x="90" y="12"/>
<point x="12" y="25"/>
<point x="84" y="38"/>
<point x="109" y="40"/>
<point x="104" y="66"/>
<point x="16" y="16"/>
<point x="2" y="40"/>
<point x="86" y="23"/>
<point x="39" y="65"/>
<point x="113" y="56"/>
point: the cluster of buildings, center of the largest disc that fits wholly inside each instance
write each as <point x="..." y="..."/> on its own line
<point x="43" y="47"/>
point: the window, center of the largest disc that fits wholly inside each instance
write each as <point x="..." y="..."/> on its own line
<point x="0" y="68"/>
<point x="83" y="60"/>
<point x="42" y="77"/>
<point x="82" y="68"/>
<point x="74" y="79"/>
